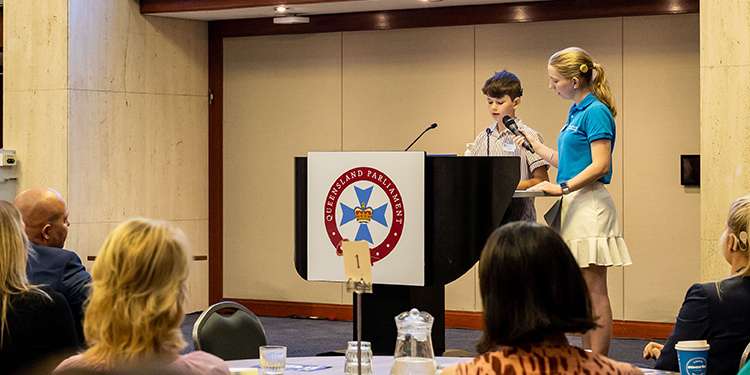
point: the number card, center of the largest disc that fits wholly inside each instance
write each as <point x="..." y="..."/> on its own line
<point x="357" y="266"/>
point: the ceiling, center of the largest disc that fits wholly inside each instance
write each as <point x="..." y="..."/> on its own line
<point x="325" y="8"/>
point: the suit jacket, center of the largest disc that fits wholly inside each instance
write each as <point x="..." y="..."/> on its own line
<point x="718" y="312"/>
<point x="62" y="271"/>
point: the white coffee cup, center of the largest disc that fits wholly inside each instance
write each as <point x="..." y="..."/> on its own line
<point x="692" y="345"/>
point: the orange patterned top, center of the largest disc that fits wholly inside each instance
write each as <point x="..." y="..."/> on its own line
<point x="542" y="359"/>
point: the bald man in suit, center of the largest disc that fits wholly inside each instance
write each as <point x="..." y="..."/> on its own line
<point x="45" y="215"/>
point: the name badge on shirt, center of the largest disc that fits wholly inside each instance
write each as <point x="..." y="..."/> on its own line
<point x="571" y="127"/>
<point x="508" y="145"/>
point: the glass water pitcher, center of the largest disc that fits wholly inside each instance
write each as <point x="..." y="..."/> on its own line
<point x="414" y="355"/>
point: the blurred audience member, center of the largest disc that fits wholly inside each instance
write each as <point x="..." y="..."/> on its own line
<point x="716" y="311"/>
<point x="45" y="214"/>
<point x="35" y="322"/>
<point x="137" y="303"/>
<point x="532" y="294"/>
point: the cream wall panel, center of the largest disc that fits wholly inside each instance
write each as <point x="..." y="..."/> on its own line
<point x="524" y="50"/>
<point x="145" y="154"/>
<point x="197" y="234"/>
<point x="97" y="125"/>
<point x="197" y="291"/>
<point x="725" y="28"/>
<point x="35" y="126"/>
<point x="725" y="121"/>
<point x="35" y="45"/>
<point x="397" y="82"/>
<point x="98" y="32"/>
<point x="122" y="50"/>
<point x="662" y="116"/>
<point x="725" y="161"/>
<point x="282" y="98"/>
<point x="87" y="238"/>
<point x="168" y="56"/>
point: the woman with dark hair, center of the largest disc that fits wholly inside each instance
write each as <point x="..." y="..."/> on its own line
<point x="532" y="294"/>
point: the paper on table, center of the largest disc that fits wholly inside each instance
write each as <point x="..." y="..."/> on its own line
<point x="243" y="371"/>
<point x="296" y="367"/>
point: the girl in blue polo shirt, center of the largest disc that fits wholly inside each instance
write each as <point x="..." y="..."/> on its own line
<point x="589" y="222"/>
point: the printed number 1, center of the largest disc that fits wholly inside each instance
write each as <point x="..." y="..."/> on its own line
<point x="357" y="257"/>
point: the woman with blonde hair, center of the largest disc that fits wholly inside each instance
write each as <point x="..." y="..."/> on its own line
<point x="588" y="221"/>
<point x="34" y="322"/>
<point x="718" y="312"/>
<point x="137" y="303"/>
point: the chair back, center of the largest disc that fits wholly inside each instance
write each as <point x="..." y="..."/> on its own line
<point x="229" y="337"/>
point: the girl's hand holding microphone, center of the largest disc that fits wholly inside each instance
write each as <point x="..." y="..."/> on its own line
<point x="532" y="138"/>
<point x="543" y="151"/>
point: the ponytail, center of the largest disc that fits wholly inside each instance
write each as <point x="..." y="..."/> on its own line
<point x="576" y="62"/>
<point x="600" y="88"/>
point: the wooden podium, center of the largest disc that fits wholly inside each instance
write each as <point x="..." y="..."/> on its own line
<point x="466" y="198"/>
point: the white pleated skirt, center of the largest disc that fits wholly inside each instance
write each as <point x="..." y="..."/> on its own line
<point x="590" y="227"/>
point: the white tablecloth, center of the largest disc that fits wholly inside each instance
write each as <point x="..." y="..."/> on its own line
<point x="380" y="364"/>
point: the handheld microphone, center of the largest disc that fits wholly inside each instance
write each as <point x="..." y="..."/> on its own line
<point x="432" y="126"/>
<point x="510" y="123"/>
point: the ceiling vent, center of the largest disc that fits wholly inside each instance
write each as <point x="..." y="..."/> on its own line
<point x="290" y="20"/>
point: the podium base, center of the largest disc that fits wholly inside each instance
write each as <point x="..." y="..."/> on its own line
<point x="381" y="307"/>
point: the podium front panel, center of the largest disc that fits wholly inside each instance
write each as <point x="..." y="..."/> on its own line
<point x="465" y="200"/>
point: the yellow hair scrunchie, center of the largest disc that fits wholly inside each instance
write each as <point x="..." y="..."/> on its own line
<point x="583" y="68"/>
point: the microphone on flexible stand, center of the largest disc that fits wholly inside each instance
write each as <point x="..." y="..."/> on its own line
<point x="513" y="127"/>
<point x="488" y="131"/>
<point x="432" y="126"/>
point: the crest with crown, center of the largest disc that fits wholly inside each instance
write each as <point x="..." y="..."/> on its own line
<point x="363" y="214"/>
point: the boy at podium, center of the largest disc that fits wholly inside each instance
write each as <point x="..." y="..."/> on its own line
<point x="503" y="91"/>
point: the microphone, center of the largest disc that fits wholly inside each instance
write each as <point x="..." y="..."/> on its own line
<point x="510" y="123"/>
<point x="488" y="131"/>
<point x="432" y="126"/>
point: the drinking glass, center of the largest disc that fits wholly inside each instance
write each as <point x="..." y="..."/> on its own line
<point x="351" y="358"/>
<point x="272" y="359"/>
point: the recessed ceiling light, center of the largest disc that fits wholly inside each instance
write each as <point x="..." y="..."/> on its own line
<point x="281" y="9"/>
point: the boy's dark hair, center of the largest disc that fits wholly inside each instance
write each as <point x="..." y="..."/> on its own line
<point x="531" y="287"/>
<point x="503" y="83"/>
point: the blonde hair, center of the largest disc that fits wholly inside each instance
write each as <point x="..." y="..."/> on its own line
<point x="13" y="255"/>
<point x="138" y="294"/>
<point x="574" y="62"/>
<point x="738" y="223"/>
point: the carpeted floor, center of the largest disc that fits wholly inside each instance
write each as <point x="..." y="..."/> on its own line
<point x="324" y="336"/>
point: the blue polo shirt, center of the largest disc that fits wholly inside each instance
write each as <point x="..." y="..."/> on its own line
<point x="588" y="121"/>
